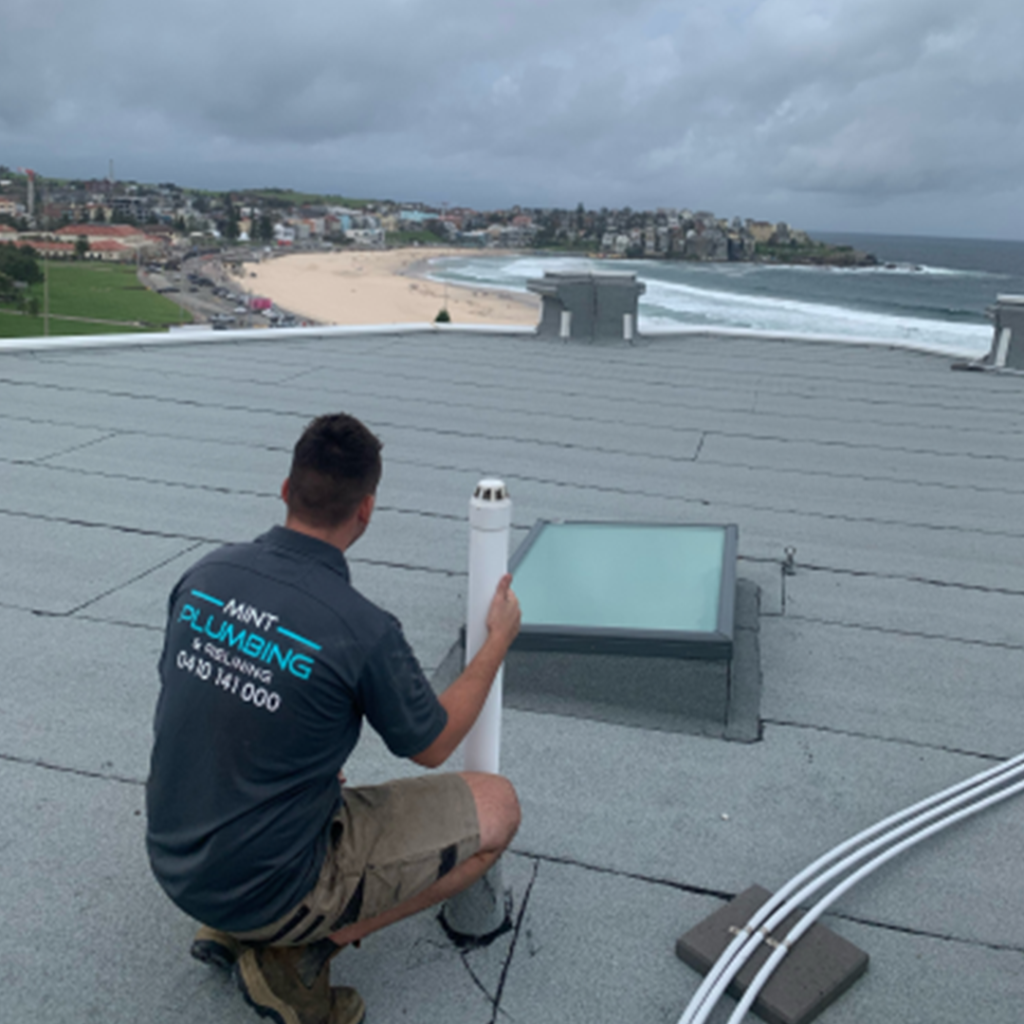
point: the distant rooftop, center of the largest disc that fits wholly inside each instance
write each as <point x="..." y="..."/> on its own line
<point x="107" y="230"/>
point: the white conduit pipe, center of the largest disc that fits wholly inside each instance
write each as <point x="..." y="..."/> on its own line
<point x="781" y="905"/>
<point x="969" y="791"/>
<point x="746" y="944"/>
<point x="762" y="976"/>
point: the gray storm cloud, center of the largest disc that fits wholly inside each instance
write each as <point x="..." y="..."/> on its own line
<point x="797" y="102"/>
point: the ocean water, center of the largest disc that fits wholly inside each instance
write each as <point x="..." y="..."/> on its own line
<point x="927" y="293"/>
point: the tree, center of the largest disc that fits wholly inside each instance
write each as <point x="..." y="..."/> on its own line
<point x="82" y="246"/>
<point x="121" y="216"/>
<point x="20" y="264"/>
<point x="230" y="226"/>
<point x="264" y="229"/>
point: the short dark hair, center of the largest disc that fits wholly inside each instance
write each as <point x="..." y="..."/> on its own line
<point x="335" y="464"/>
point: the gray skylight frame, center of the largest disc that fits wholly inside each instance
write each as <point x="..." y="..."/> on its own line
<point x="713" y="645"/>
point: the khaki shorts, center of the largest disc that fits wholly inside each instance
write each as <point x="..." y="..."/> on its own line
<point x="386" y="844"/>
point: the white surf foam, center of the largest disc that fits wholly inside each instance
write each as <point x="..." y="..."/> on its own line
<point x="666" y="304"/>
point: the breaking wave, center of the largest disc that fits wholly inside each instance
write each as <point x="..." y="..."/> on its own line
<point x="753" y="297"/>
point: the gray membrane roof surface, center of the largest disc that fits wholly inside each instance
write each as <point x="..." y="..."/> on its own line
<point x="892" y="658"/>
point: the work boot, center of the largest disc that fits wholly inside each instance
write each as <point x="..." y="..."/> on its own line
<point x="292" y="985"/>
<point x="216" y="948"/>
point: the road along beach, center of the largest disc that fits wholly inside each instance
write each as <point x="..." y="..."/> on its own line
<point x="380" y="287"/>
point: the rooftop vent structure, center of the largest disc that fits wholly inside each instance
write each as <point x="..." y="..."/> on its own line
<point x="1007" y="352"/>
<point x="1008" y="340"/>
<point x="588" y="307"/>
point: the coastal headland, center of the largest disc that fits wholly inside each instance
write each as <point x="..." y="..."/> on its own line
<point x="380" y="287"/>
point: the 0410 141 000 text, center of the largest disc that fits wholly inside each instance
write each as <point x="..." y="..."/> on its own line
<point x="245" y="690"/>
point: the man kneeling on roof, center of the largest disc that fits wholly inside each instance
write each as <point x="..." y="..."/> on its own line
<point x="271" y="661"/>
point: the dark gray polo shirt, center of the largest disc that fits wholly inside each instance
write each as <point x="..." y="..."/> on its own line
<point x="271" y="660"/>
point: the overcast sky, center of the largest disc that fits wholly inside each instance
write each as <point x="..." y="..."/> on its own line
<point x="874" y="115"/>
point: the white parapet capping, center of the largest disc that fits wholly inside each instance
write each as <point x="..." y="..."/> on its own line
<point x="668" y="331"/>
<point x="210" y="336"/>
<point x="200" y="335"/>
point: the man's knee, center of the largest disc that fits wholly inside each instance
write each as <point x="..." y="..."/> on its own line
<point x="497" y="808"/>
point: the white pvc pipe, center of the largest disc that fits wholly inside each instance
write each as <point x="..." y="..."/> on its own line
<point x="627" y="326"/>
<point x="782" y="904"/>
<point x="490" y="519"/>
<point x="770" y="965"/>
<point x="565" y="324"/>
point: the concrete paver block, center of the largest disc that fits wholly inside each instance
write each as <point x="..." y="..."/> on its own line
<point x="819" y="968"/>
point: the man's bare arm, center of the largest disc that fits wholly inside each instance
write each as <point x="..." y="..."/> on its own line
<point x="465" y="698"/>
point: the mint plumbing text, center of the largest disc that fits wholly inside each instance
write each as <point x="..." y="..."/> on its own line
<point x="238" y="648"/>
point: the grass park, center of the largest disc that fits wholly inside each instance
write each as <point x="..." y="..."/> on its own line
<point x="90" y="298"/>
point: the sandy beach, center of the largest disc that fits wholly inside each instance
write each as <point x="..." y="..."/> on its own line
<point x="380" y="287"/>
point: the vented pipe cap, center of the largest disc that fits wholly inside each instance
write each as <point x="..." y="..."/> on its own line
<point x="490" y="508"/>
<point x="491" y="490"/>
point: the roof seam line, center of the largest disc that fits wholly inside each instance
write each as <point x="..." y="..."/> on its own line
<point x="67" y="770"/>
<point x="136" y="578"/>
<point x="700" y="446"/>
<point x="451" y="573"/>
<point x="512" y="945"/>
<point x="670" y="883"/>
<point x="973" y="641"/>
<point x="473" y="976"/>
<point x="919" y="933"/>
<point x="155" y="481"/>
<point x="120" y="622"/>
<point x="67" y="520"/>
<point x="894" y="479"/>
<point x="74" y="448"/>
<point x="860" y="446"/>
<point x="924" y="580"/>
<point x="854" y="734"/>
